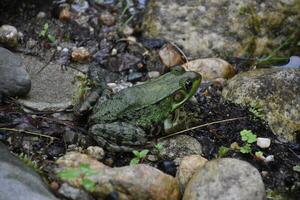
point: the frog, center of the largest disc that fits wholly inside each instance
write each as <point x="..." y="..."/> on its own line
<point x="135" y="116"/>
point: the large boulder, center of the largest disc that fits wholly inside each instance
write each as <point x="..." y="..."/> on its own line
<point x="19" y="182"/>
<point x="207" y="28"/>
<point x="273" y="94"/>
<point x="225" y="179"/>
<point x="126" y="183"/>
<point x="14" y="80"/>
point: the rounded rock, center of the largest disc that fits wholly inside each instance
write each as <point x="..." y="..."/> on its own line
<point x="9" y="35"/>
<point x="14" y="80"/>
<point x="225" y="179"/>
<point x="187" y="167"/>
<point x="95" y="152"/>
<point x="263" y="142"/>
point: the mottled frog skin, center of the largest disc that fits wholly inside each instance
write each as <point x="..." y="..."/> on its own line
<point x="127" y="120"/>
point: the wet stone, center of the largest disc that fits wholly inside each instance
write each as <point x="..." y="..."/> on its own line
<point x="14" y="80"/>
<point x="19" y="182"/>
<point x="9" y="35"/>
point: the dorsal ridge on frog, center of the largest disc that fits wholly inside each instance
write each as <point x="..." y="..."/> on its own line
<point x="121" y="122"/>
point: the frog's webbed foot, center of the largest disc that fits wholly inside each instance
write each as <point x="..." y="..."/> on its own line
<point x="118" y="136"/>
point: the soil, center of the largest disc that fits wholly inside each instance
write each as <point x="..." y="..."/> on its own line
<point x="44" y="136"/>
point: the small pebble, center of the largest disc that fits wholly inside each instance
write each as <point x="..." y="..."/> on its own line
<point x="153" y="74"/>
<point x="107" y="19"/>
<point x="269" y="158"/>
<point x="114" y="52"/>
<point x="263" y="142"/>
<point x="95" y="152"/>
<point x="80" y="54"/>
<point x="152" y="158"/>
<point x="127" y="31"/>
<point x="168" y="167"/>
<point x="170" y="56"/>
<point x="41" y="15"/>
<point x="9" y="35"/>
<point x="65" y="14"/>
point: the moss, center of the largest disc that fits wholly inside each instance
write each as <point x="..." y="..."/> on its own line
<point x="149" y="20"/>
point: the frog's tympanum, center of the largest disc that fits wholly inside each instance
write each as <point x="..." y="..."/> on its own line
<point x="130" y="119"/>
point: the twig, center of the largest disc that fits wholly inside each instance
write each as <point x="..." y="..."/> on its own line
<point x="29" y="132"/>
<point x="202" y="125"/>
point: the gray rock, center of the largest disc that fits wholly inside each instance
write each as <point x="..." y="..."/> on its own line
<point x="14" y="80"/>
<point x="273" y="93"/>
<point x="8" y="35"/>
<point x="19" y="182"/>
<point x="208" y="28"/>
<point x="225" y="179"/>
<point x="73" y="193"/>
<point x="177" y="147"/>
<point x="52" y="88"/>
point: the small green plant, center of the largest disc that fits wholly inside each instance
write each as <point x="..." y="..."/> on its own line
<point x="223" y="151"/>
<point x="296" y="168"/>
<point x="259" y="154"/>
<point x="246" y="148"/>
<point x="139" y="155"/>
<point x="159" y="147"/>
<point x="82" y="173"/>
<point x="248" y="136"/>
<point x="45" y="33"/>
<point x="256" y="110"/>
<point x="28" y="161"/>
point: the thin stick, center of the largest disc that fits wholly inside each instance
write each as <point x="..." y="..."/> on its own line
<point x="29" y="132"/>
<point x="202" y="125"/>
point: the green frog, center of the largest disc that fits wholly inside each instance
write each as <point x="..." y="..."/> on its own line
<point x="131" y="118"/>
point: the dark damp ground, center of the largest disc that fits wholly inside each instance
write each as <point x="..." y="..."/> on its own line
<point x="54" y="135"/>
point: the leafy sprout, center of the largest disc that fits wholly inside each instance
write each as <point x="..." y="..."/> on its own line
<point x="248" y="136"/>
<point x="139" y="155"/>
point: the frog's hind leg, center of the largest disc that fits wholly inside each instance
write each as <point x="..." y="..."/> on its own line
<point x="118" y="136"/>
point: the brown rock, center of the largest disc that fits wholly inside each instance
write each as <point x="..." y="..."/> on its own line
<point x="170" y="55"/>
<point x="187" y="168"/>
<point x="65" y="14"/>
<point x="211" y="68"/>
<point x="129" y="182"/>
<point x="80" y="54"/>
<point x="107" y="19"/>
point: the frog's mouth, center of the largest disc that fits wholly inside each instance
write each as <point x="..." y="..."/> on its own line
<point x="189" y="88"/>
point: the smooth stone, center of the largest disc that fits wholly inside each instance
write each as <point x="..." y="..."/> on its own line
<point x="9" y="35"/>
<point x="14" y="80"/>
<point x="177" y="147"/>
<point x="186" y="169"/>
<point x="129" y="182"/>
<point x="211" y="68"/>
<point x="170" y="55"/>
<point x="18" y="181"/>
<point x="73" y="193"/>
<point x="95" y="152"/>
<point x="263" y="142"/>
<point x="225" y="179"/>
<point x="52" y="88"/>
<point x="274" y="91"/>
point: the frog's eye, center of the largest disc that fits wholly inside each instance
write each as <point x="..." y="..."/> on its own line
<point x="178" y="96"/>
<point x="188" y="85"/>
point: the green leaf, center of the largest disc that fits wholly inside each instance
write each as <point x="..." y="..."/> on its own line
<point x="51" y="38"/>
<point x="88" y="184"/>
<point x="223" y="151"/>
<point x="159" y="146"/>
<point x="245" y="149"/>
<point x="248" y="136"/>
<point x="43" y="33"/>
<point x="134" y="161"/>
<point x="259" y="154"/>
<point x="296" y="168"/>
<point x="46" y="27"/>
<point x="136" y="153"/>
<point x="144" y="153"/>
<point x="68" y="174"/>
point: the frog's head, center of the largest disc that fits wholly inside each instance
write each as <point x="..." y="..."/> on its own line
<point x="189" y="82"/>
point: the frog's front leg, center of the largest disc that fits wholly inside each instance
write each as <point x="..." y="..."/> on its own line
<point x="118" y="136"/>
